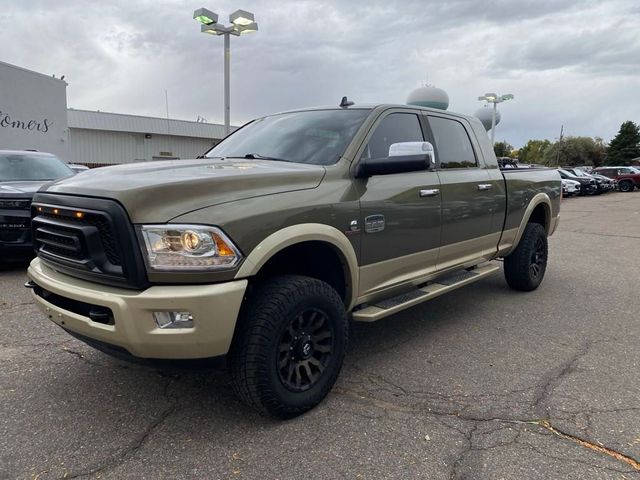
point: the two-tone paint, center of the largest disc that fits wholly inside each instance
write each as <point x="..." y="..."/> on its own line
<point x="267" y="207"/>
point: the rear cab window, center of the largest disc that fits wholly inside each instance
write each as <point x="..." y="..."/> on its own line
<point x="452" y="143"/>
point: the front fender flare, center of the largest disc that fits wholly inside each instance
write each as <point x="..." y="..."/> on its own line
<point x="305" y="232"/>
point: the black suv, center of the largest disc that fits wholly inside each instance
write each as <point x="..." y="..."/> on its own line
<point x="21" y="175"/>
<point x="588" y="185"/>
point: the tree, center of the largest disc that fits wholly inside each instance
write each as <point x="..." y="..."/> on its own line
<point x="533" y="151"/>
<point x="625" y="146"/>
<point x="575" y="151"/>
<point x="502" y="149"/>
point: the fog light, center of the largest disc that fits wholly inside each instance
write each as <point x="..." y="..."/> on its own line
<point x="173" y="319"/>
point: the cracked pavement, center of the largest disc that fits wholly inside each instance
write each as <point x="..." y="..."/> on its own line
<point x="483" y="383"/>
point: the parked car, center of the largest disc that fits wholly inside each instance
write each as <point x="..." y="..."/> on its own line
<point x="78" y="168"/>
<point x="604" y="184"/>
<point x="609" y="183"/>
<point x="628" y="178"/>
<point x="22" y="173"/>
<point x="292" y="225"/>
<point x="570" y="187"/>
<point x="588" y="186"/>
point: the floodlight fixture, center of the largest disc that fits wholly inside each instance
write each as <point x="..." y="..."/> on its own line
<point x="205" y="17"/>
<point x="249" y="28"/>
<point x="495" y="99"/>
<point x="241" y="22"/>
<point x="242" y="17"/>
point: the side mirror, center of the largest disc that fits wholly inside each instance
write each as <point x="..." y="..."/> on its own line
<point x="404" y="149"/>
<point x="403" y="157"/>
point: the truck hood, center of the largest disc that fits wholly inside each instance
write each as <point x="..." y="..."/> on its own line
<point x="20" y="189"/>
<point x="160" y="191"/>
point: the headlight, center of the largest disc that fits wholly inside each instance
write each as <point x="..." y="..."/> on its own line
<point x="188" y="247"/>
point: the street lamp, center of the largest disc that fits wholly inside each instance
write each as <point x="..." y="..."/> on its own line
<point x="241" y="22"/>
<point x="495" y="99"/>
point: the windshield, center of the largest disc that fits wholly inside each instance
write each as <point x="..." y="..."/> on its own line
<point x="25" y="167"/>
<point x="629" y="170"/>
<point x="566" y="173"/>
<point x="580" y="173"/>
<point x="318" y="137"/>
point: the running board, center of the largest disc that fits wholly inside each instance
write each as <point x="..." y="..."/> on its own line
<point x="389" y="306"/>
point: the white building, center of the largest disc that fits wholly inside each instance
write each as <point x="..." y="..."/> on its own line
<point x="34" y="116"/>
<point x="99" y="138"/>
<point x="33" y="111"/>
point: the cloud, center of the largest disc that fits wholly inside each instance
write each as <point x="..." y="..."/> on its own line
<point x="567" y="62"/>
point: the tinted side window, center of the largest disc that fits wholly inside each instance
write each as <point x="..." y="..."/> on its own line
<point x="394" y="128"/>
<point x="453" y="144"/>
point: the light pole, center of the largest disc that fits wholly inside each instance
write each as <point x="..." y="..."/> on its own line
<point x="495" y="99"/>
<point x="241" y="22"/>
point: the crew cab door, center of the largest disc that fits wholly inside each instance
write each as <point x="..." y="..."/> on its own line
<point x="399" y="219"/>
<point x="469" y="194"/>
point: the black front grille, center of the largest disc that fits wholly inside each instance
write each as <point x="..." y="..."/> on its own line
<point x="88" y="238"/>
<point x="14" y="204"/>
<point x="93" y="220"/>
<point x="11" y="235"/>
<point x="15" y="229"/>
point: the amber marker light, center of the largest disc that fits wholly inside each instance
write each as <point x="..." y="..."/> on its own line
<point x="79" y="214"/>
<point x="223" y="249"/>
<point x="56" y="211"/>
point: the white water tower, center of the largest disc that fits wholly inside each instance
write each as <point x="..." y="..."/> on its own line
<point x="484" y="115"/>
<point x="429" y="96"/>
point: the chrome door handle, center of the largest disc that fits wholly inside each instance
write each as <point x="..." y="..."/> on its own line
<point x="432" y="192"/>
<point x="485" y="186"/>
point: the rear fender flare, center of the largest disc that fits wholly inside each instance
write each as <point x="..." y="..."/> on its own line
<point x="538" y="199"/>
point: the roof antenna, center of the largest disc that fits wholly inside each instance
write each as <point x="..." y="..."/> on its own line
<point x="345" y="102"/>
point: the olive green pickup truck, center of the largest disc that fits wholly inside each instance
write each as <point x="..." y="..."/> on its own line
<point x="263" y="251"/>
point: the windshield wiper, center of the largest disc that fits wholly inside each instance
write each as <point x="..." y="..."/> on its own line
<point x="257" y="156"/>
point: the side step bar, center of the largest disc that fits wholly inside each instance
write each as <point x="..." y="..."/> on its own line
<point x="384" y="308"/>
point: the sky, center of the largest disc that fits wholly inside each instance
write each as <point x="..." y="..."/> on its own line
<point x="571" y="63"/>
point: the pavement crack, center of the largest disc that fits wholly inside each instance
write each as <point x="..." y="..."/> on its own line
<point x="122" y="456"/>
<point x="556" y="375"/>
<point x="590" y="445"/>
<point x="390" y="406"/>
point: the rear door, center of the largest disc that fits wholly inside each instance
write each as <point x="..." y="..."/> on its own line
<point x="399" y="213"/>
<point x="469" y="193"/>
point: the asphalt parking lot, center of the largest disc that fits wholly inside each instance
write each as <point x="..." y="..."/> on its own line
<point x="484" y="383"/>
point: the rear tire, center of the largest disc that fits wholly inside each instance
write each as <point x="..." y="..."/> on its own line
<point x="525" y="267"/>
<point x="289" y="345"/>
<point x="625" y="186"/>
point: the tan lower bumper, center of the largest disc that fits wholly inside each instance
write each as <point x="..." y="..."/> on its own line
<point x="214" y="308"/>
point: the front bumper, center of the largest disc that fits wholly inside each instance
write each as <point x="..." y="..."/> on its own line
<point x="214" y="308"/>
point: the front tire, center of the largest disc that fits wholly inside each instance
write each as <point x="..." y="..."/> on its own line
<point x="289" y="345"/>
<point x="525" y="267"/>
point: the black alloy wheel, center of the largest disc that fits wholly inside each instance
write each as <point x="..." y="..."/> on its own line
<point x="305" y="349"/>
<point x="289" y="345"/>
<point x="524" y="268"/>
<point x="538" y="258"/>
